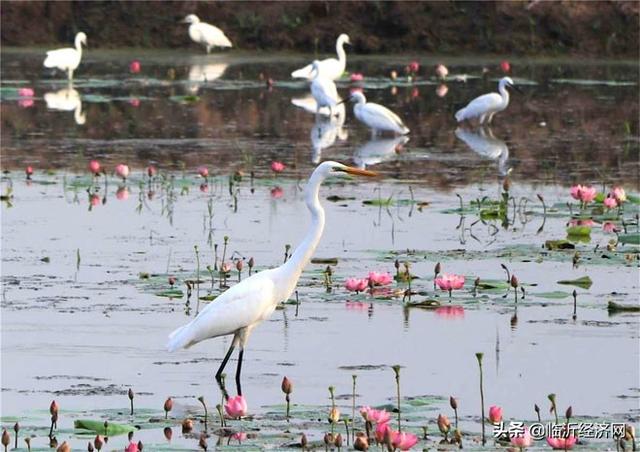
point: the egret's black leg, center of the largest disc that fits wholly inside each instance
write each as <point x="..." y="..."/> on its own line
<point x="221" y="368"/>
<point x="238" y="370"/>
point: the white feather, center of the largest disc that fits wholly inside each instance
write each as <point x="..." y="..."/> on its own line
<point x="206" y="34"/>
<point x="330" y="68"/>
<point x="377" y="117"/>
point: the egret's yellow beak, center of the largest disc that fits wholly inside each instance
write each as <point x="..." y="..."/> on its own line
<point x="357" y="171"/>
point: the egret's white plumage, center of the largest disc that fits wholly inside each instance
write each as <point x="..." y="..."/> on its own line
<point x="324" y="91"/>
<point x="330" y="68"/>
<point x="206" y="34"/>
<point x="66" y="99"/>
<point x="378" y="150"/>
<point x="238" y="310"/>
<point x="484" y="107"/>
<point x="67" y="59"/>
<point x="377" y="117"/>
<point x="485" y="144"/>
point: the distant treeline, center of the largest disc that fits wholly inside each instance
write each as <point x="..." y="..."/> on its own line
<point x="597" y="28"/>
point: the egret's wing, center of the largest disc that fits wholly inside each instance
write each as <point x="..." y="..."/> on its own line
<point x="304" y="72"/>
<point x="213" y="35"/>
<point x="479" y="106"/>
<point x="242" y="305"/>
<point x="55" y="57"/>
<point x="384" y="111"/>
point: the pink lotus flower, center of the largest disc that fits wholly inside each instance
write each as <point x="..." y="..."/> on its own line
<point x="442" y="90"/>
<point x="134" y="102"/>
<point x="122" y="170"/>
<point x="277" y="192"/>
<point x="522" y="439"/>
<point x="562" y="443"/>
<point x="356" y="284"/>
<point x="495" y="414"/>
<point x="151" y="171"/>
<point x="382" y="429"/>
<point x="610" y="202"/>
<point x="442" y="71"/>
<point x="277" y="167"/>
<point x="583" y="193"/>
<point x="380" y="279"/>
<point x="94" y="167"/>
<point x="619" y="194"/>
<point x="505" y="66"/>
<point x="609" y="227"/>
<point x="450" y="311"/>
<point x="403" y="441"/>
<point x="375" y="416"/>
<point x="122" y="194"/>
<point x="134" y="67"/>
<point x="415" y="93"/>
<point x="236" y="406"/>
<point x="94" y="200"/>
<point x="204" y="187"/>
<point x="28" y="171"/>
<point x="203" y="171"/>
<point x="414" y="67"/>
<point x="356" y="77"/>
<point x="132" y="447"/>
<point x="450" y="282"/>
<point x="26" y="92"/>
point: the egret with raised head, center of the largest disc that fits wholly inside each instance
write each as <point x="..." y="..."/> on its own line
<point x="67" y="59"/>
<point x="242" y="307"/>
<point x="330" y="68"/>
<point x="484" y="107"/>
<point x="206" y="34"/>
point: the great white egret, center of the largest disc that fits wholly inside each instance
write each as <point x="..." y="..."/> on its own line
<point x="242" y="307"/>
<point x="67" y="59"/>
<point x="206" y="34"/>
<point x="484" y="107"/>
<point x="323" y="89"/>
<point x="330" y="68"/>
<point x="377" y="117"/>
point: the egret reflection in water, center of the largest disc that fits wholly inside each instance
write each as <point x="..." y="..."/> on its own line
<point x="484" y="143"/>
<point x="326" y="130"/>
<point x="378" y="150"/>
<point x="204" y="73"/>
<point x="66" y="99"/>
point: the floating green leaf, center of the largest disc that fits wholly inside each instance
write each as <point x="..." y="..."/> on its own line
<point x="559" y="245"/>
<point x="583" y="282"/>
<point x="631" y="238"/>
<point x="98" y="427"/>
<point x="579" y="231"/>
<point x="171" y="293"/>
<point x="613" y="307"/>
<point x="557" y="294"/>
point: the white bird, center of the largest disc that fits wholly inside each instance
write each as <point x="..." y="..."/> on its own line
<point x="67" y="59"/>
<point x="378" y="150"/>
<point x="67" y="99"/>
<point x="330" y="68"/>
<point x="323" y="89"/>
<point x="377" y="117"/>
<point x="484" y="107"/>
<point x="206" y="34"/>
<point x="242" y="307"/>
<point x="326" y="130"/>
<point x="486" y="145"/>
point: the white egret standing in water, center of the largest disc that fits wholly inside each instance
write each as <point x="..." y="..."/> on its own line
<point x="324" y="91"/>
<point x="206" y="34"/>
<point x="330" y="68"/>
<point x="66" y="99"/>
<point x="242" y="307"/>
<point x="484" y="107"/>
<point x="67" y="59"/>
<point x="376" y="116"/>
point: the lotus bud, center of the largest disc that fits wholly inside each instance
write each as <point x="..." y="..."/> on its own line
<point x="328" y="439"/>
<point x="453" y="402"/>
<point x="172" y="280"/>
<point x="443" y="424"/>
<point x="334" y="415"/>
<point x="303" y="441"/>
<point x="140" y="446"/>
<point x="6" y="439"/>
<point x="536" y="408"/>
<point x="239" y="265"/>
<point x="514" y="281"/>
<point x="251" y="262"/>
<point x="53" y="408"/>
<point x="64" y="447"/>
<point x="286" y="386"/>
<point x="569" y="413"/>
<point x="506" y="184"/>
<point x="90" y="447"/>
<point x="396" y="264"/>
<point x="168" y="433"/>
<point x="168" y="405"/>
<point x="361" y="443"/>
<point x="187" y="425"/>
<point x="130" y="394"/>
<point x="437" y="269"/>
<point x="98" y="442"/>
<point x="338" y="441"/>
<point x="151" y="170"/>
<point x="552" y="399"/>
<point x="457" y="436"/>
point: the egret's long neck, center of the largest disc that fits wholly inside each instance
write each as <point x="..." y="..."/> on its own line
<point x="79" y="47"/>
<point x="342" y="56"/>
<point x="303" y="253"/>
<point x="504" y="93"/>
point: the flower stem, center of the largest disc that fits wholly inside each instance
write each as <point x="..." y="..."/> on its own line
<point x="479" y="358"/>
<point x="396" y="369"/>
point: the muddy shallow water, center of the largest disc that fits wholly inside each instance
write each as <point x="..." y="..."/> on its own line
<point x="80" y="324"/>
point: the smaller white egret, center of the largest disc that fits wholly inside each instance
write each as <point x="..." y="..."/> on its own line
<point x="330" y="68"/>
<point x="206" y="34"/>
<point x="484" y="107"/>
<point x="67" y="59"/>
<point x="377" y="117"/>
<point x="323" y="89"/>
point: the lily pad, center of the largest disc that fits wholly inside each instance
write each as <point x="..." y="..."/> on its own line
<point x="583" y="282"/>
<point x="613" y="307"/>
<point x="557" y="294"/>
<point x="171" y="293"/>
<point x="98" y="427"/>
<point x="559" y="245"/>
<point x="631" y="238"/>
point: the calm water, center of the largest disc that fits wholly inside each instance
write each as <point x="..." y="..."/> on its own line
<point x="83" y="332"/>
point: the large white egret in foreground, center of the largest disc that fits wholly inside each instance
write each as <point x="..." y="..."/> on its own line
<point x="206" y="34"/>
<point x="66" y="99"/>
<point x="330" y="68"/>
<point x="376" y="116"/>
<point x="484" y="107"/>
<point x="242" y="307"/>
<point x="323" y="89"/>
<point x="67" y="59"/>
